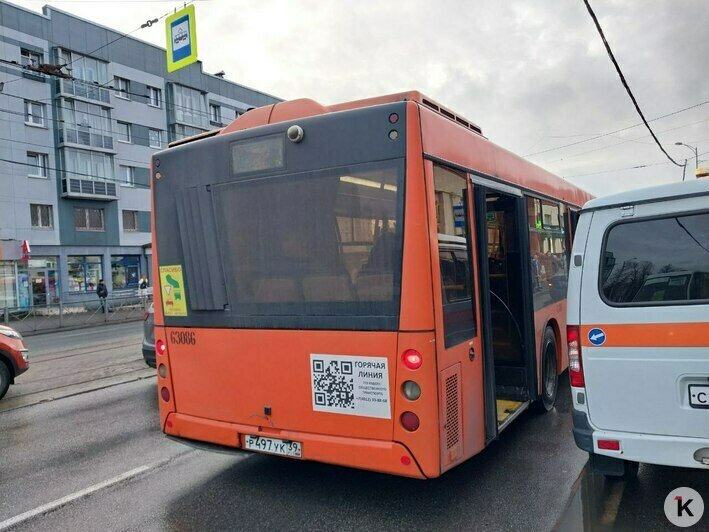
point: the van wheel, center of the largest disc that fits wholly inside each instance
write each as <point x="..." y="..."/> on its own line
<point x="550" y="379"/>
<point x="4" y="379"/>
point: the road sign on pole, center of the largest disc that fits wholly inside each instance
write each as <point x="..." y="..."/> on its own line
<point x="181" y="34"/>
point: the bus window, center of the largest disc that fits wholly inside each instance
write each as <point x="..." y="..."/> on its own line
<point x="458" y="315"/>
<point x="325" y="243"/>
<point x="450" y="211"/>
<point x="548" y="246"/>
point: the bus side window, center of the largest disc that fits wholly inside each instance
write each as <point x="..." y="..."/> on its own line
<point x="456" y="286"/>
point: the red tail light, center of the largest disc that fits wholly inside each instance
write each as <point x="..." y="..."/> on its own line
<point x="165" y="394"/>
<point x="609" y="445"/>
<point x="573" y="337"/>
<point x="160" y="347"/>
<point x="410" y="421"/>
<point x="412" y="359"/>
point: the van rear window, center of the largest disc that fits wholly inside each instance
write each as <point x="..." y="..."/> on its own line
<point x="658" y="261"/>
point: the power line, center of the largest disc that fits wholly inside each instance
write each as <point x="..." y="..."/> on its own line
<point x="626" y="168"/>
<point x="622" y="141"/>
<point x="121" y="36"/>
<point x="93" y="177"/>
<point x="625" y="83"/>
<point x="611" y="133"/>
<point x="48" y="147"/>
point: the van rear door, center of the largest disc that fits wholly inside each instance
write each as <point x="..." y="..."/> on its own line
<point x="644" y="315"/>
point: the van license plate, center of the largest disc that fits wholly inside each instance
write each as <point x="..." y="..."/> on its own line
<point x="699" y="396"/>
<point x="273" y="446"/>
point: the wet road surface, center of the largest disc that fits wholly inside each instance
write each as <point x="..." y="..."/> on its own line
<point x="98" y="461"/>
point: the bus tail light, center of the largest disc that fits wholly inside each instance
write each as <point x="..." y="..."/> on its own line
<point x="162" y="370"/>
<point x="165" y="394"/>
<point x="609" y="445"/>
<point x="160" y="347"/>
<point x="412" y="359"/>
<point x="410" y="421"/>
<point x="411" y="390"/>
<point x="573" y="338"/>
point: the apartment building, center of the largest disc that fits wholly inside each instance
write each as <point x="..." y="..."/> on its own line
<point x="75" y="146"/>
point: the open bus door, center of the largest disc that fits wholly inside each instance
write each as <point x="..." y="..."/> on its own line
<point x="507" y="324"/>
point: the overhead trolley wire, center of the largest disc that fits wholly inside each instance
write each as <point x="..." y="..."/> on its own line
<point x="625" y="83"/>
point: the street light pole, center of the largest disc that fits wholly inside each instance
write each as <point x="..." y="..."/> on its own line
<point x="696" y="153"/>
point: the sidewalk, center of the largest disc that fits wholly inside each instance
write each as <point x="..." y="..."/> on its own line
<point x="38" y="320"/>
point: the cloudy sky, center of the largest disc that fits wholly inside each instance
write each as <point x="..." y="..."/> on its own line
<point x="532" y="73"/>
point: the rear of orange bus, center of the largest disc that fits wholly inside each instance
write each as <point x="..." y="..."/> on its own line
<point x="294" y="314"/>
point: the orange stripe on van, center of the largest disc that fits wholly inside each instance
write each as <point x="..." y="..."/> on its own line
<point x="650" y="335"/>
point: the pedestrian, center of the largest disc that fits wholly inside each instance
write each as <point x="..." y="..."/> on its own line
<point x="102" y="293"/>
<point x="143" y="283"/>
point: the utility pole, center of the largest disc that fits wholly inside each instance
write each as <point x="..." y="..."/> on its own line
<point x="696" y="153"/>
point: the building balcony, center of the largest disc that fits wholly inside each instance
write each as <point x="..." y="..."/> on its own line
<point x="76" y="187"/>
<point x="82" y="89"/>
<point x="84" y="137"/>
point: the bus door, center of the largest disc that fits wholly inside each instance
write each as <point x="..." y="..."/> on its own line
<point x="458" y="338"/>
<point x="506" y="297"/>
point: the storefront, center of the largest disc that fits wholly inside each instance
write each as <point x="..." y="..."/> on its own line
<point x="31" y="282"/>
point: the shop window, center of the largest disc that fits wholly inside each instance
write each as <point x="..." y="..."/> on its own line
<point x="125" y="271"/>
<point x="84" y="272"/>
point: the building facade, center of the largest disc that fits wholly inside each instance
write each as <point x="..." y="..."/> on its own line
<point x="75" y="151"/>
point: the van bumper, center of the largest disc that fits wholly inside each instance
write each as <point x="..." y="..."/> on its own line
<point x="675" y="451"/>
<point x="373" y="455"/>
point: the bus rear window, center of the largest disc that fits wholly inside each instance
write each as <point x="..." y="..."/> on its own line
<point x="321" y="243"/>
<point x="657" y="261"/>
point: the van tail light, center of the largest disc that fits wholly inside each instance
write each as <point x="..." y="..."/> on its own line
<point x="609" y="445"/>
<point x="573" y="337"/>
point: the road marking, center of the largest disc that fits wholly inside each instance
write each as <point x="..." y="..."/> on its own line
<point x="54" y="505"/>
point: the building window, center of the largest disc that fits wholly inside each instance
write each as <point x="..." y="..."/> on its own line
<point x="127" y="175"/>
<point x="42" y="216"/>
<point x="130" y="221"/>
<point x="190" y="106"/>
<point x="88" y="219"/>
<point x="84" y="68"/>
<point x="121" y="88"/>
<point x="125" y="133"/>
<point x="86" y="124"/>
<point x="38" y="164"/>
<point x="125" y="270"/>
<point x="154" y="97"/>
<point x="84" y="272"/>
<point x="30" y="58"/>
<point x="87" y="164"/>
<point x="155" y="138"/>
<point x="215" y="114"/>
<point x="34" y="113"/>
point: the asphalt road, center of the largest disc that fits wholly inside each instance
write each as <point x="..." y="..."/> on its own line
<point x="97" y="461"/>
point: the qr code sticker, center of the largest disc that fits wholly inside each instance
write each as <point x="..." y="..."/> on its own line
<point x="333" y="384"/>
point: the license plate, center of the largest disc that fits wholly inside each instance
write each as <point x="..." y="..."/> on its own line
<point x="699" y="395"/>
<point x="273" y="446"/>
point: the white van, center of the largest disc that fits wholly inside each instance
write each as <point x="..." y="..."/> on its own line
<point x="638" y="328"/>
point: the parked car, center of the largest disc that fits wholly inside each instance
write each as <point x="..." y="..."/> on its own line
<point x="149" y="337"/>
<point x="637" y="315"/>
<point x="13" y="357"/>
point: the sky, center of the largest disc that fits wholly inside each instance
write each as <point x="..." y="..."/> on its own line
<point x="533" y="74"/>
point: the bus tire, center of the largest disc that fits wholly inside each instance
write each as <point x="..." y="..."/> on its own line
<point x="550" y="377"/>
<point x="5" y="378"/>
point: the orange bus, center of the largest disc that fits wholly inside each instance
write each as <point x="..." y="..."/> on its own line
<point x="372" y="284"/>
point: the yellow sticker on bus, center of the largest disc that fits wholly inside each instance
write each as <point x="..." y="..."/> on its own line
<point x="174" y="299"/>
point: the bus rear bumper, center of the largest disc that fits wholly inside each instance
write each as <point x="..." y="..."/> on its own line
<point x="374" y="455"/>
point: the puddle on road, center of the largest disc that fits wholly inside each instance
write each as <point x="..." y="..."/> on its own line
<point x="594" y="505"/>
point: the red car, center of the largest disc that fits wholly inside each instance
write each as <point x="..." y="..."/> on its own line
<point x="13" y="358"/>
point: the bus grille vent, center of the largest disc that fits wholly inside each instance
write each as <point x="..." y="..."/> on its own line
<point x="452" y="414"/>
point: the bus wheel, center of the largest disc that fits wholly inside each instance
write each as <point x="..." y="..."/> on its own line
<point x="4" y="379"/>
<point x="550" y="379"/>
